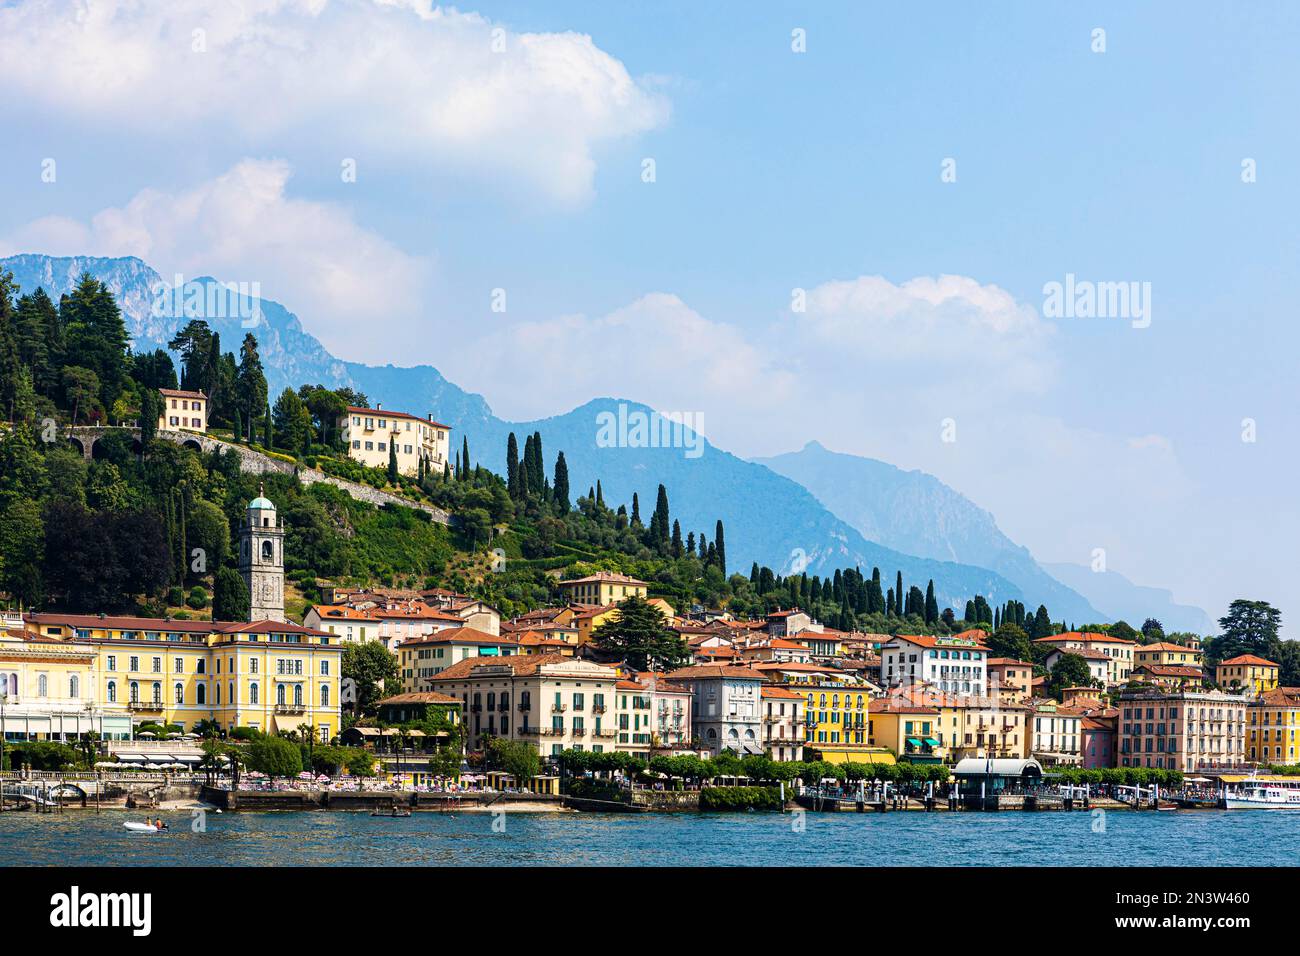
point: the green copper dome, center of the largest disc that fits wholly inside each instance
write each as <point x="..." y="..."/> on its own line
<point x="260" y="502"/>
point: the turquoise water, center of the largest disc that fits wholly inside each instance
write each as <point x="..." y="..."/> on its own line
<point x="1189" y="838"/>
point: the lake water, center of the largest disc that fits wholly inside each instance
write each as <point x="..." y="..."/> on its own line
<point x="1186" y="838"/>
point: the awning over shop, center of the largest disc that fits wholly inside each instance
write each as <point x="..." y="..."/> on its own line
<point x="932" y="742"/>
<point x="913" y="741"/>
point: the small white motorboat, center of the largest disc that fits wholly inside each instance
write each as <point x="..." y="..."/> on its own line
<point x="136" y="827"/>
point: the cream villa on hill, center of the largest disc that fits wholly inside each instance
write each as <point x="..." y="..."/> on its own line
<point x="183" y="411"/>
<point x="602" y="589"/>
<point x="369" y="433"/>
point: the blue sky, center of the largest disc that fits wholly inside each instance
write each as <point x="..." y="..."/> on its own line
<point x="774" y="171"/>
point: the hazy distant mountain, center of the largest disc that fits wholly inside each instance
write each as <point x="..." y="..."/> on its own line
<point x="769" y="518"/>
<point x="1121" y="599"/>
<point x="916" y="513"/>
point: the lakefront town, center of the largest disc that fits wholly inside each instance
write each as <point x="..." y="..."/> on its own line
<point x="220" y="601"/>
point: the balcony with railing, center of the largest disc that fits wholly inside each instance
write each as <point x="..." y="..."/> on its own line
<point x="146" y="706"/>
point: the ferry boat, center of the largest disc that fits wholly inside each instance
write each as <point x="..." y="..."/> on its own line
<point x="1253" y="794"/>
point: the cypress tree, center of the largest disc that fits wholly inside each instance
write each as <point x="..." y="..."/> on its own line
<point x="561" y="487"/>
<point x="898" y="595"/>
<point x="636" y="511"/>
<point x="690" y="547"/>
<point x="464" y="458"/>
<point x="392" y="462"/>
<point x="720" y="542"/>
<point x="512" y="467"/>
<point x="600" y="494"/>
<point x="238" y="421"/>
<point x="266" y="429"/>
<point x="931" y="604"/>
<point x="677" y="540"/>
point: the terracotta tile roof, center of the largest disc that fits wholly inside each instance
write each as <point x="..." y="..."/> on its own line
<point x="458" y="635"/>
<point x="419" y="697"/>
<point x="387" y="413"/>
<point x="699" y="671"/>
<point x="1089" y="636"/>
<point x="603" y="577"/>
<point x="774" y="690"/>
<point x="181" y="393"/>
<point x="1008" y="662"/>
<point x="1087" y="653"/>
<point x="1169" y="670"/>
<point x="1249" y="659"/>
<point x="932" y="640"/>
<point x="521" y="665"/>
<point x="1167" y="646"/>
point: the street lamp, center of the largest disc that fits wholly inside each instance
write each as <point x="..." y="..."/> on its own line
<point x="4" y="699"/>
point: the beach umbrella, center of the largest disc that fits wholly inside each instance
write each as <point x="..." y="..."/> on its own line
<point x="146" y="733"/>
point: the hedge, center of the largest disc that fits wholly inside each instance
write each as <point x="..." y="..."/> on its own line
<point x="740" y="798"/>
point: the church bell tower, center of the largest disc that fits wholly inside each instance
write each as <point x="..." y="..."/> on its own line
<point x="261" y="560"/>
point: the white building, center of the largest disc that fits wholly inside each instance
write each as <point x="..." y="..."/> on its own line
<point x="955" y="665"/>
<point x="727" y="706"/>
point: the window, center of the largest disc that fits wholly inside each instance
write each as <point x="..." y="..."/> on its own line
<point x="112" y="692"/>
<point x="202" y="693"/>
<point x="180" y="692"/>
<point x="111" y="662"/>
<point x="74" y="686"/>
<point x="252" y="694"/>
<point x="279" y="695"/>
<point x="43" y="686"/>
<point x="325" y="695"/>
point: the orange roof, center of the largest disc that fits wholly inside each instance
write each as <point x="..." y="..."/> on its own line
<point x="181" y="393"/>
<point x="1249" y="659"/>
<point x="774" y="690"/>
<point x="1090" y="636"/>
<point x="1007" y="662"/>
<point x="1167" y="646"/>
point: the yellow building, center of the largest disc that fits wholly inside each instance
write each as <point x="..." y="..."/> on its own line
<point x="590" y="619"/>
<point x="969" y="725"/>
<point x="268" y="675"/>
<point x="602" y="588"/>
<point x="1165" y="654"/>
<point x="1247" y="674"/>
<point x="1271" y="724"/>
<point x="907" y="729"/>
<point x="183" y="411"/>
<point x="835" y="714"/>
<point x="48" y="690"/>
<point x="369" y="433"/>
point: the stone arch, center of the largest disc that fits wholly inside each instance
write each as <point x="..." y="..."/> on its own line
<point x="80" y="446"/>
<point x="193" y="443"/>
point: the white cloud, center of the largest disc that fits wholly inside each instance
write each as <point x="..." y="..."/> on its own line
<point x="242" y="227"/>
<point x="384" y="82"/>
<point x="873" y="368"/>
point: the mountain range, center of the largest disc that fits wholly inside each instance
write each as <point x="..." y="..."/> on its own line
<point x="813" y="509"/>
